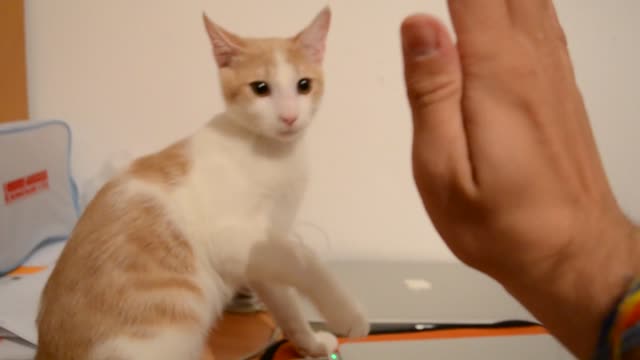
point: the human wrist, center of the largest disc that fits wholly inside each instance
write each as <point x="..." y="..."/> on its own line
<point x="573" y="294"/>
<point x="619" y="336"/>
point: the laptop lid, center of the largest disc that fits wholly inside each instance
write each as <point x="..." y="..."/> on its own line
<point x="424" y="293"/>
<point x="521" y="347"/>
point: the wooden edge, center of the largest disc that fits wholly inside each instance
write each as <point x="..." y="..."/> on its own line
<point x="13" y="68"/>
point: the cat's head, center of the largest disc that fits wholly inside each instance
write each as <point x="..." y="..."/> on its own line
<point x="272" y="86"/>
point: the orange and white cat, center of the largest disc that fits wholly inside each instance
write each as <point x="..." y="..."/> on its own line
<point x="163" y="246"/>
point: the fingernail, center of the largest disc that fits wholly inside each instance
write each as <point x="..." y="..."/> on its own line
<point x="419" y="39"/>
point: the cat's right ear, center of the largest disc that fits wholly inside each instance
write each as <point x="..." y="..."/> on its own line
<point x="225" y="45"/>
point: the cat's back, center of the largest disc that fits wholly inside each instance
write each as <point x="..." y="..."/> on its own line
<point x="127" y="217"/>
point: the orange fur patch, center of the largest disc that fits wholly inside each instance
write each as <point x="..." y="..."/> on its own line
<point x="165" y="167"/>
<point x="122" y="251"/>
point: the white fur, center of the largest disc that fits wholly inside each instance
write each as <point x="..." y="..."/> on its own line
<point x="285" y="98"/>
<point x="167" y="344"/>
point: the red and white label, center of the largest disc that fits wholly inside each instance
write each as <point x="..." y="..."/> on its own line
<point x="26" y="186"/>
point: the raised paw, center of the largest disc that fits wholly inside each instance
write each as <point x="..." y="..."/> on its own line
<point x="327" y="341"/>
<point x="322" y="344"/>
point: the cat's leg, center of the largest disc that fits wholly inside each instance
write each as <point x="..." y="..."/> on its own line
<point x="293" y="264"/>
<point x="281" y="303"/>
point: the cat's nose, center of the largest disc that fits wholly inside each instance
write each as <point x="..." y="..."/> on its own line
<point x="289" y="120"/>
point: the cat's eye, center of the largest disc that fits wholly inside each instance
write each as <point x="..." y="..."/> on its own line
<point x="260" y="88"/>
<point x="304" y="86"/>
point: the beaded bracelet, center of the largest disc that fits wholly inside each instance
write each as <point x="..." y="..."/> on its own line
<point x="621" y="329"/>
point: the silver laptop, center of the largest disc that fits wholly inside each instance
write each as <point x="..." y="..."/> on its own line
<point x="407" y="295"/>
<point x="525" y="347"/>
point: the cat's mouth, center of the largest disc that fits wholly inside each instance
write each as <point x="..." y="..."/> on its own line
<point x="289" y="132"/>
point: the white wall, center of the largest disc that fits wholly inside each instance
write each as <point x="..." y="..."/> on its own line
<point x="130" y="76"/>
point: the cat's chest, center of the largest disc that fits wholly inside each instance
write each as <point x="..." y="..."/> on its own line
<point x="275" y="178"/>
<point x="245" y="184"/>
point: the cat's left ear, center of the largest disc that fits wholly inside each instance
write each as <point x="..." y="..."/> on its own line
<point x="312" y="40"/>
<point x="225" y="45"/>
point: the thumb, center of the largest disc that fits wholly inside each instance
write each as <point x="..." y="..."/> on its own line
<point x="433" y="79"/>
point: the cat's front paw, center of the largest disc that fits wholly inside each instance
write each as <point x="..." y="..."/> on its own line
<point x="352" y="324"/>
<point x="321" y="345"/>
<point x="327" y="341"/>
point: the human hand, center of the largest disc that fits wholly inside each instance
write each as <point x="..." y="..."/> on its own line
<point x="507" y="166"/>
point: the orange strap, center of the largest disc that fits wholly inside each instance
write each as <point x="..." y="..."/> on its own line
<point x="287" y="352"/>
<point x="27" y="270"/>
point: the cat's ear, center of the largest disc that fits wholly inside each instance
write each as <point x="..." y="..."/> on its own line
<point x="225" y="44"/>
<point x="312" y="40"/>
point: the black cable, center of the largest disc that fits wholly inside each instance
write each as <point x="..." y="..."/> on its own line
<point x="271" y="351"/>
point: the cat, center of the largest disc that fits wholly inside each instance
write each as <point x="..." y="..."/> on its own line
<point x="162" y="247"/>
